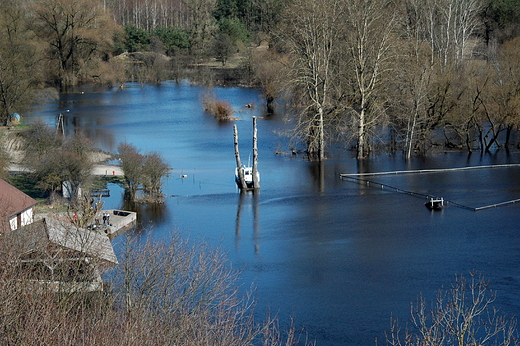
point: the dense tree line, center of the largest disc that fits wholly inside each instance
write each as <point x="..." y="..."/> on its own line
<point x="400" y="74"/>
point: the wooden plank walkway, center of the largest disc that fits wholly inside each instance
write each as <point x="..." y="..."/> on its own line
<point x="357" y="177"/>
<point x="346" y="175"/>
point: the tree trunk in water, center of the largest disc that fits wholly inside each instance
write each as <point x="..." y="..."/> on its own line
<point x="361" y="134"/>
<point x="411" y="134"/>
<point x="241" y="180"/>
<point x="270" y="104"/>
<point x="321" y="143"/>
<point x="508" y="136"/>
<point x="256" y="175"/>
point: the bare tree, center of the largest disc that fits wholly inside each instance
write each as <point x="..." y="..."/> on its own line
<point x="19" y="63"/>
<point x="188" y="293"/>
<point x="131" y="163"/>
<point x="447" y="27"/>
<point x="55" y="159"/>
<point x="143" y="172"/>
<point x="223" y="48"/>
<point x="436" y="85"/>
<point x="175" y="292"/>
<point x="78" y="33"/>
<point x="83" y="212"/>
<point x="74" y="164"/>
<point x="268" y="66"/>
<point x="154" y="171"/>
<point x="312" y="30"/>
<point x="462" y="315"/>
<point x="462" y="125"/>
<point x="501" y="98"/>
<point x="371" y="25"/>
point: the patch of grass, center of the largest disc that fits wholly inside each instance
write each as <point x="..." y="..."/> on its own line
<point x="44" y="208"/>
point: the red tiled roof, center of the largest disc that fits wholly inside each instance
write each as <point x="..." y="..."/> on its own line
<point x="12" y="200"/>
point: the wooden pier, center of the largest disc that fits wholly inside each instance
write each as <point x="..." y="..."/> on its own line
<point x="435" y="170"/>
<point x="100" y="193"/>
<point x="359" y="177"/>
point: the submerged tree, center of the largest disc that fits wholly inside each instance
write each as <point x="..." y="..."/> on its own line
<point x="154" y="170"/>
<point x="131" y="164"/>
<point x="371" y="25"/>
<point x="142" y="172"/>
<point x="501" y="98"/>
<point x="268" y="67"/>
<point x="312" y="30"/>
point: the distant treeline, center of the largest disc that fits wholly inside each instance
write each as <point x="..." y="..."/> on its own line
<point x="405" y="74"/>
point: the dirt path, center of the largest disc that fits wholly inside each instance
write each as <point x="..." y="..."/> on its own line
<point x="107" y="170"/>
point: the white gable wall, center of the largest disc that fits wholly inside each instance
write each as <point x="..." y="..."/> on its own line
<point x="26" y="217"/>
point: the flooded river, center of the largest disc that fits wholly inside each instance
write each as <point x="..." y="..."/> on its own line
<point x="339" y="256"/>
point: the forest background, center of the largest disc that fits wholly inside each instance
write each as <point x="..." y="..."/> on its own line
<point x="371" y="74"/>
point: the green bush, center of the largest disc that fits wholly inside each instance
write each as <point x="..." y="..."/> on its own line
<point x="173" y="39"/>
<point x="137" y="40"/>
<point x="236" y="30"/>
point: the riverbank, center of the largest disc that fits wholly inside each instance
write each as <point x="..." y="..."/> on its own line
<point x="15" y="165"/>
<point x="98" y="170"/>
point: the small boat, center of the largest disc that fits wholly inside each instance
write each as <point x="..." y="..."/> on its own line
<point x="248" y="176"/>
<point x="435" y="203"/>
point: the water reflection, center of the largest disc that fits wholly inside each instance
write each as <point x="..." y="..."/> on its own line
<point x="247" y="199"/>
<point x="317" y="172"/>
<point x="149" y="216"/>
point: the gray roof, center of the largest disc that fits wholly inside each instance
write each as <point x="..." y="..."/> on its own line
<point x="49" y="232"/>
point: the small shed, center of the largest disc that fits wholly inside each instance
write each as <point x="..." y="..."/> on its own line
<point x="16" y="208"/>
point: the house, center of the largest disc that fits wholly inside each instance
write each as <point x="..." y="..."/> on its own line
<point x="16" y="208"/>
<point x="58" y="255"/>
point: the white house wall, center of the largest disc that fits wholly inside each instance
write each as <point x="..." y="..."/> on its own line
<point x="12" y="223"/>
<point x="27" y="217"/>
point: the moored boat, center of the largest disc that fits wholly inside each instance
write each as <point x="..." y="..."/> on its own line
<point x="435" y="203"/>
<point x="248" y="176"/>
